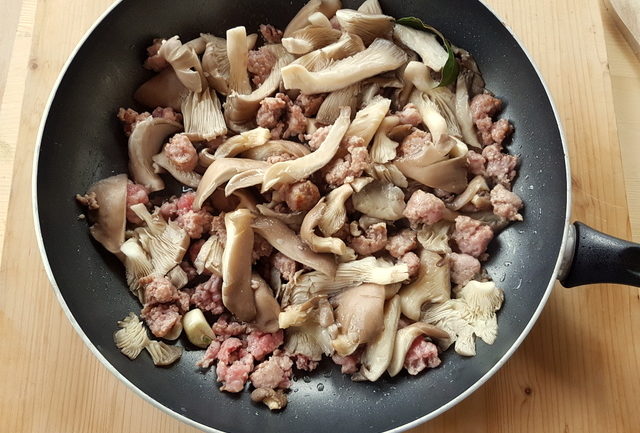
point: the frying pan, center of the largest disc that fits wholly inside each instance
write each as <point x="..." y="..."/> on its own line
<point x="81" y="141"/>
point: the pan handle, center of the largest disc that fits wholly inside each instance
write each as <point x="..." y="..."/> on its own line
<point x="594" y="257"/>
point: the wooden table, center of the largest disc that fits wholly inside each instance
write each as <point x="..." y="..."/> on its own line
<point x="576" y="372"/>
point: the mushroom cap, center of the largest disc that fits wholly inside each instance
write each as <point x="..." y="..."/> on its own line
<point x="381" y="200"/>
<point x="405" y="337"/>
<point x="267" y="308"/>
<point x="379" y="352"/>
<point x="132" y="337"/>
<point x="109" y="219"/>
<point x="432" y="285"/>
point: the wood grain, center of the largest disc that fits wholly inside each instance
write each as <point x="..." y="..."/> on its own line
<point x="626" y="14"/>
<point x="577" y="371"/>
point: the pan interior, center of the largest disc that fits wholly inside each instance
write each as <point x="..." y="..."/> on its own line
<point x="82" y="142"/>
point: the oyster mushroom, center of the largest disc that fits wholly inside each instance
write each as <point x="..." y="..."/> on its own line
<point x="367" y="26"/>
<point x="310" y="38"/>
<point x="405" y="337"/>
<point x="184" y="62"/>
<point x="163" y="354"/>
<point x="137" y="265"/>
<point x="335" y="212"/>
<point x="424" y="44"/>
<point x="319" y="19"/>
<point x="165" y="242"/>
<point x="220" y="171"/>
<point x="237" y="294"/>
<point x="380" y="200"/>
<point x="330" y="108"/>
<point x="359" y="312"/>
<point x="283" y="239"/>
<point x="389" y="173"/>
<point x="477" y="186"/>
<point x="274" y="399"/>
<point x="162" y="90"/>
<point x="276" y="147"/>
<point x="463" y="112"/>
<point x="178" y="277"/>
<point x="432" y="285"/>
<point x="435" y="237"/>
<point x="242" y="142"/>
<point x="132" y="337"/>
<point x="378" y="353"/>
<point x="244" y="180"/>
<point x="215" y="63"/>
<point x="383" y="148"/>
<point x="267" y="308"/>
<point x="371" y="7"/>
<point x="317" y="243"/>
<point x="326" y="7"/>
<point x="346" y="46"/>
<point x="145" y="141"/>
<point x="367" y="120"/>
<point x="203" y="118"/>
<point x="238" y="57"/>
<point x="210" y="256"/>
<point x="301" y="168"/>
<point x="381" y="56"/>
<point x="189" y="178"/>
<point x="293" y="220"/>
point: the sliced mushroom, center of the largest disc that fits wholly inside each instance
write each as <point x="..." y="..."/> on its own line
<point x="346" y="46"/>
<point x="109" y="218"/>
<point x="145" y="141"/>
<point x="463" y="112"/>
<point x="283" y="239"/>
<point x="327" y="7"/>
<point x="238" y="58"/>
<point x="424" y="44"/>
<point x="448" y="175"/>
<point x="317" y="243"/>
<point x="162" y="90"/>
<point x="319" y="19"/>
<point x="431" y="285"/>
<point x="310" y="38"/>
<point x="431" y="117"/>
<point x="274" y="399"/>
<point x="184" y="62"/>
<point x="137" y="265"/>
<point x="215" y="65"/>
<point x="190" y="178"/>
<point x="243" y="142"/>
<point x="371" y="7"/>
<point x="237" y="294"/>
<point x="163" y="354"/>
<point x="367" y="26"/>
<point x="360" y="313"/>
<point x="293" y="220"/>
<point x="299" y="314"/>
<point x="267" y="308"/>
<point x="132" y="337"/>
<point x="330" y="108"/>
<point x="276" y="147"/>
<point x="291" y="171"/>
<point x="379" y="352"/>
<point x="240" y="109"/>
<point x="368" y="119"/>
<point x="335" y="213"/>
<point x="383" y="148"/>
<point x="165" y="242"/>
<point x="381" y="56"/>
<point x="405" y="338"/>
<point x="380" y="200"/>
<point x="245" y="179"/>
<point x="178" y="277"/>
<point x="478" y="184"/>
<point x="210" y="256"/>
<point x="435" y="237"/>
<point x="389" y="173"/>
<point x="220" y="171"/>
<point x="203" y="118"/>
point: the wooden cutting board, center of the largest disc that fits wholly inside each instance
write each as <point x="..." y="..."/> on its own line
<point x="576" y="372"/>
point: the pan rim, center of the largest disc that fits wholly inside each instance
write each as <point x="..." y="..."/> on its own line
<point x="431" y="415"/>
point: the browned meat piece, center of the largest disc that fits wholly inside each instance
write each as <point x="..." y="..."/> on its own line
<point x="181" y="152"/>
<point x="184" y="300"/>
<point x="410" y="115"/>
<point x="500" y="130"/>
<point x="226" y="327"/>
<point x="154" y="61"/>
<point x="310" y="104"/>
<point x="301" y="196"/>
<point x="506" y="204"/>
<point x="218" y="228"/>
<point x="234" y="376"/>
<point x="88" y="200"/>
<point x="271" y="111"/>
<point x="270" y="34"/>
<point x="422" y="354"/>
<point x="374" y="240"/>
<point x="230" y="350"/>
<point x="160" y="318"/>
<point x="273" y="373"/>
<point x="189" y="270"/>
<point x="413" y="262"/>
<point x="424" y="208"/>
<point x="296" y="122"/>
<point x="345" y="169"/>
<point x="463" y="268"/>
<point x="208" y="297"/>
<point x="305" y="363"/>
<point x="130" y="118"/>
<point x="286" y="266"/>
<point x="280" y="157"/>
<point x="195" y="223"/>
<point x="261" y="248"/>
<point x="414" y="143"/>
<point x="349" y="363"/>
<point x="135" y="194"/>
<point x="402" y="243"/>
<point x="476" y="163"/>
<point x="260" y="344"/>
<point x="318" y="136"/>
<point x="210" y="355"/>
<point x="483" y="108"/>
<point x="501" y="167"/>
<point x="158" y="290"/>
<point x="471" y="236"/>
<point x="281" y="116"/>
<point x="167" y="113"/>
<point x="260" y="64"/>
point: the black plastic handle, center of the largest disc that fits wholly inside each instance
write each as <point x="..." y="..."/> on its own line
<point x="600" y="258"/>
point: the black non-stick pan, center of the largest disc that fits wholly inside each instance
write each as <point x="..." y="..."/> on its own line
<point x="81" y="142"/>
